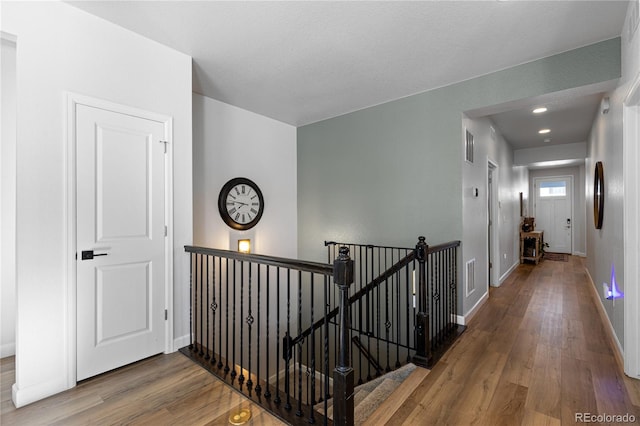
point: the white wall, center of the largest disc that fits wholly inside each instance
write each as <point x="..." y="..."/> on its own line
<point x="8" y="200"/>
<point x="231" y="142"/>
<point x="490" y="145"/>
<point x="59" y="49"/>
<point x="605" y="247"/>
<point x="579" y="247"/>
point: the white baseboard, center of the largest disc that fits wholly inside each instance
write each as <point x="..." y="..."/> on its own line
<point x="579" y="254"/>
<point x="464" y="320"/>
<point x="181" y="342"/>
<point x="8" y="349"/>
<point x="25" y="396"/>
<point x="509" y="272"/>
<point x="618" y="352"/>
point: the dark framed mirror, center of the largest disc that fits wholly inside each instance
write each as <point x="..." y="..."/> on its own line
<point x="598" y="195"/>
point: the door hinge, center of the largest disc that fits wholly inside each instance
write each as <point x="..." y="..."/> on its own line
<point x="166" y="314"/>
<point x="165" y="145"/>
<point x="166" y="232"/>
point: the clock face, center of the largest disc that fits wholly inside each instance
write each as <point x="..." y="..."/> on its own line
<point x="241" y="203"/>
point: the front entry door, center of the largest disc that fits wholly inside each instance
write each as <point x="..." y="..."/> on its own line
<point x="120" y="193"/>
<point x="553" y="213"/>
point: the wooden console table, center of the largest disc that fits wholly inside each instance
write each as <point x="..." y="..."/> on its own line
<point x="536" y="254"/>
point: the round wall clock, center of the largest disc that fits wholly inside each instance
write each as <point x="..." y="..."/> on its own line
<point x="598" y="195"/>
<point x="241" y="203"/>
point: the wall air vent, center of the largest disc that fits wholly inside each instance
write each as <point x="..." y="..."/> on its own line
<point x="468" y="151"/>
<point x="470" y="277"/>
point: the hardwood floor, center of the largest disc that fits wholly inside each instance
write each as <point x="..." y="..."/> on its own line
<point x="163" y="390"/>
<point x="535" y="354"/>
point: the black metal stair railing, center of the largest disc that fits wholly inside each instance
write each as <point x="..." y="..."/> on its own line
<point x="247" y="308"/>
<point x="244" y="309"/>
<point x="404" y="304"/>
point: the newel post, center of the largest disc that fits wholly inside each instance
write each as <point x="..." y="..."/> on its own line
<point x="343" y="373"/>
<point x="423" y="344"/>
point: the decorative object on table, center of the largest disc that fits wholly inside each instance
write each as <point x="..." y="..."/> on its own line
<point x="241" y="203"/>
<point x="528" y="224"/>
<point x="598" y="195"/>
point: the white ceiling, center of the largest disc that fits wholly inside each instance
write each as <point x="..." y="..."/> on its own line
<point x="302" y="62"/>
<point x="569" y="120"/>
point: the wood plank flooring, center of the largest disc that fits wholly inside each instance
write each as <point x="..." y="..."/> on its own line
<point x="535" y="354"/>
<point x="163" y="390"/>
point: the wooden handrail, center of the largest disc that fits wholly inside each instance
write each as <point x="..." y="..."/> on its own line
<point x="299" y="265"/>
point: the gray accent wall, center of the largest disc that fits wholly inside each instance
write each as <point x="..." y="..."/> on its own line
<point x="389" y="173"/>
<point x="605" y="247"/>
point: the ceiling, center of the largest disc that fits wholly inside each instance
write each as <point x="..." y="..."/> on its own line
<point x="569" y="120"/>
<point x="306" y="61"/>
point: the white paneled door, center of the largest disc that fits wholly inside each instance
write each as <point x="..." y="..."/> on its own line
<point x="120" y="230"/>
<point x="553" y="212"/>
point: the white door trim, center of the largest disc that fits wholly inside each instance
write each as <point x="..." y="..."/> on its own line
<point x="495" y="226"/>
<point x="571" y="201"/>
<point x="631" y="127"/>
<point x="72" y="101"/>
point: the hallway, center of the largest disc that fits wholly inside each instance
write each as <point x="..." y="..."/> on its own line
<point x="535" y="354"/>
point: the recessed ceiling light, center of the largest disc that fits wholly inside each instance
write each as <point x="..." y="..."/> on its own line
<point x="544" y="131"/>
<point x="539" y="110"/>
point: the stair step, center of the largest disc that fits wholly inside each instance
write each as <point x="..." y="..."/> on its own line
<point x="369" y="396"/>
<point x="365" y="408"/>
<point x="390" y="406"/>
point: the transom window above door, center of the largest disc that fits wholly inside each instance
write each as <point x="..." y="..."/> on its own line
<point x="553" y="188"/>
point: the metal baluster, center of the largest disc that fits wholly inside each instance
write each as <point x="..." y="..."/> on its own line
<point x="369" y="300"/>
<point x="220" y="317"/>
<point x="200" y="307"/>
<point x="299" y="410"/>
<point x="312" y="350"/>
<point x="258" y="388"/>
<point x="287" y="389"/>
<point x="250" y="320"/>
<point x="206" y="306"/>
<point x="397" y="294"/>
<point x="191" y="303"/>
<point x="241" y="377"/>
<point x="409" y="300"/>
<point x="233" y="321"/>
<point x="277" y="399"/>
<point x="326" y="346"/>
<point x="378" y="313"/>
<point x="438" y="263"/>
<point x="360" y="381"/>
<point x="226" y="310"/>
<point x="267" y="393"/>
<point x="387" y="322"/>
<point x="455" y="281"/>
<point x="214" y="307"/>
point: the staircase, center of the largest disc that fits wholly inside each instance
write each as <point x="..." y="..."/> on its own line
<point x="372" y="316"/>
<point x="374" y="399"/>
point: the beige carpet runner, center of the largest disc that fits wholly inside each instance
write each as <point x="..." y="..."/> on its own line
<point x="368" y="396"/>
